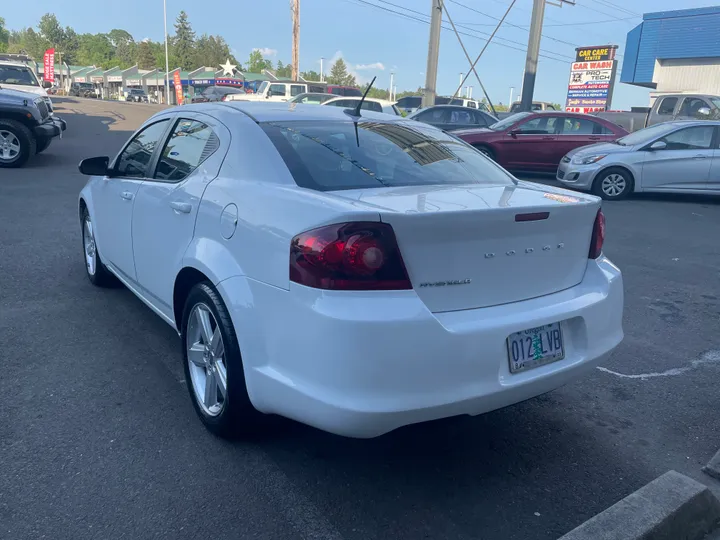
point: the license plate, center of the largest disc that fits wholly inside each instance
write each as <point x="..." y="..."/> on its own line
<point x="535" y="347"/>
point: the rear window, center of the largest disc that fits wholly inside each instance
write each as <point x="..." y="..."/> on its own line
<point x="329" y="156"/>
<point x="353" y="92"/>
<point x="410" y="102"/>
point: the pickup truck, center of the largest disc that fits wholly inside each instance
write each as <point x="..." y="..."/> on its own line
<point x="27" y="127"/>
<point x="666" y="108"/>
<point x="536" y="106"/>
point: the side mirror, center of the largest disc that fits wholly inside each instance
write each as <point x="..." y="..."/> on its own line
<point x="48" y="84"/>
<point x="658" y="145"/>
<point x="94" y="166"/>
<point x="703" y="111"/>
<point x="514" y="133"/>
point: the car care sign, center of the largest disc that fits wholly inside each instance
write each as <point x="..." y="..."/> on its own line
<point x="592" y="76"/>
<point x="178" y="88"/>
<point x="49" y="65"/>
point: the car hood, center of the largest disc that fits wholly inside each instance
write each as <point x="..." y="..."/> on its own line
<point x="37" y="90"/>
<point x="600" y="148"/>
<point x="16" y="96"/>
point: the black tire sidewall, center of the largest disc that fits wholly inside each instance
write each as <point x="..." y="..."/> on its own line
<point x="597" y="184"/>
<point x="26" y="139"/>
<point x="238" y="414"/>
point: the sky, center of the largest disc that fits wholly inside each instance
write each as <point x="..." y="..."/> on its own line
<point x="377" y="37"/>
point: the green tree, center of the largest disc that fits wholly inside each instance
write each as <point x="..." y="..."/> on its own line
<point x="144" y="57"/>
<point x="377" y="93"/>
<point x="339" y="74"/>
<point x="283" y="70"/>
<point x="4" y="36"/>
<point x="95" y="50"/>
<point x="125" y="47"/>
<point x="183" y="49"/>
<point x="256" y="62"/>
<point x="310" y="76"/>
<point x="213" y="51"/>
<point x="51" y="30"/>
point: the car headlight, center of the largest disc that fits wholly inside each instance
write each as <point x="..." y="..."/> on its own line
<point x="587" y="160"/>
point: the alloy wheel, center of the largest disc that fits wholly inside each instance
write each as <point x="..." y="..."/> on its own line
<point x="613" y="184"/>
<point x="206" y="360"/>
<point x="9" y="146"/>
<point x="90" y="247"/>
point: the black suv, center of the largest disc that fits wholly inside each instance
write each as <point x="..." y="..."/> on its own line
<point x="27" y="127"/>
<point x="136" y="94"/>
<point x="82" y="89"/>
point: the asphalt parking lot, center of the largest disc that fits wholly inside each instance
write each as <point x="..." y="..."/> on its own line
<point x="99" y="439"/>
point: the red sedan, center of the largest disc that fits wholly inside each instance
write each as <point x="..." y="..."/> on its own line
<point x="537" y="141"/>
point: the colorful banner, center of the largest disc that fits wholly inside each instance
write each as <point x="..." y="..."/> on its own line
<point x="591" y="82"/>
<point x="178" y="88"/>
<point x="49" y="65"/>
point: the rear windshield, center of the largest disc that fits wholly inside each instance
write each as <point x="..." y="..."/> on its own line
<point x="328" y="156"/>
<point x="352" y="92"/>
<point x="410" y="102"/>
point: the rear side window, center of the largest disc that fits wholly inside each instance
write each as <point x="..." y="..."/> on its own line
<point x="296" y="89"/>
<point x="329" y="156"/>
<point x="190" y="144"/>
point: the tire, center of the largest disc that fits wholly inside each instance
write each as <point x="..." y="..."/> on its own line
<point x="94" y="267"/>
<point x="231" y="414"/>
<point x="42" y="145"/>
<point x="17" y="144"/>
<point x="613" y="184"/>
<point x="484" y="150"/>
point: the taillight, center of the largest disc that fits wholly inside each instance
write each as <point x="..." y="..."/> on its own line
<point x="598" y="236"/>
<point x="357" y="256"/>
<point x="224" y="98"/>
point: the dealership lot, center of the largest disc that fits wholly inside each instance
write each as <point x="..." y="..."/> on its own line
<point x="100" y="440"/>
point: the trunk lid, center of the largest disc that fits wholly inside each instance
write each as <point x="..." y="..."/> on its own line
<point x="464" y="248"/>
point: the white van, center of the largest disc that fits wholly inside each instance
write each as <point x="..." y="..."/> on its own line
<point x="18" y="76"/>
<point x="278" y="91"/>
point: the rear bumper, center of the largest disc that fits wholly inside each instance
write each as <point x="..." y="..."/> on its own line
<point x="364" y="364"/>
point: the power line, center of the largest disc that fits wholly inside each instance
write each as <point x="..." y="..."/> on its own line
<point x="612" y="5"/>
<point x="598" y="11"/>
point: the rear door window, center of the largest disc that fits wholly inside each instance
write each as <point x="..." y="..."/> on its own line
<point x="329" y="156"/>
<point x="190" y="144"/>
<point x="667" y="105"/>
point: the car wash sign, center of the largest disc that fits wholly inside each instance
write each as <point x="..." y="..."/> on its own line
<point x="592" y="76"/>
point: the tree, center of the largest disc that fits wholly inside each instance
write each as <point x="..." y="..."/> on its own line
<point x="213" y="51"/>
<point x="377" y="93"/>
<point x="340" y="75"/>
<point x="125" y="47"/>
<point x="310" y="76"/>
<point x="144" y="57"/>
<point x="283" y="70"/>
<point x="256" y="63"/>
<point x="4" y="36"/>
<point x="183" y="49"/>
<point x="95" y="50"/>
<point x="51" y="30"/>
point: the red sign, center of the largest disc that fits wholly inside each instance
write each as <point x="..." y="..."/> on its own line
<point x="178" y="88"/>
<point x="49" y="65"/>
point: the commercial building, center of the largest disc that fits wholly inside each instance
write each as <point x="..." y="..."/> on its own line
<point x="675" y="52"/>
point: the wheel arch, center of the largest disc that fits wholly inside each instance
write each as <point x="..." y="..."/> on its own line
<point x="613" y="166"/>
<point x="186" y="279"/>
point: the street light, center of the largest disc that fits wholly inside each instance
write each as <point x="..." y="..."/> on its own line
<point x="167" y="60"/>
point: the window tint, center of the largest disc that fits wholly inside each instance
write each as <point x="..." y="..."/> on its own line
<point x="409" y="102"/>
<point x="691" y="106"/>
<point x="334" y="156"/>
<point x="541" y="125"/>
<point x="581" y="126"/>
<point x="667" y="105"/>
<point x="354" y="92"/>
<point x="459" y="116"/>
<point x="472" y="105"/>
<point x="135" y="159"/>
<point x="190" y="144"/>
<point x="337" y="91"/>
<point x="277" y="89"/>
<point x="296" y="89"/>
<point x="694" y="138"/>
<point x="433" y="116"/>
<point x="315" y="88"/>
<point x="341" y="103"/>
<point x="485" y="119"/>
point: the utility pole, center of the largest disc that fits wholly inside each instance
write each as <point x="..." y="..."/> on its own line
<point x="533" y="51"/>
<point x="392" y="77"/>
<point x="295" y="39"/>
<point x="433" y="54"/>
<point x="322" y="60"/>
<point x="167" y="60"/>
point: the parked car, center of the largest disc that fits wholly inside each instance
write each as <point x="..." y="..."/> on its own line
<point x="370" y="104"/>
<point x="357" y="274"/>
<point x="674" y="157"/>
<point x="451" y="117"/>
<point x="538" y="141"/>
<point x="313" y="98"/>
<point x="27" y="127"/>
<point x="537" y="106"/>
<point x="18" y="76"/>
<point x="410" y="104"/>
<point x="279" y="91"/>
<point x="81" y="89"/>
<point x="137" y="95"/>
<point x="339" y="90"/>
<point x="218" y="93"/>
<point x="667" y="108"/>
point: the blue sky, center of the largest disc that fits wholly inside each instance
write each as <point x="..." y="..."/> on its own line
<point x="375" y="41"/>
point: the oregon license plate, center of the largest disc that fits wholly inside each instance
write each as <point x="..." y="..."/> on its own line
<point x="535" y="347"/>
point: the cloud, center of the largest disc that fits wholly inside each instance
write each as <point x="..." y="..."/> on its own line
<point x="266" y="51"/>
<point x="376" y="65"/>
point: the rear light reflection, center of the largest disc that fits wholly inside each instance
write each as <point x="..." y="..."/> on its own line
<point x="357" y="256"/>
<point x="598" y="236"/>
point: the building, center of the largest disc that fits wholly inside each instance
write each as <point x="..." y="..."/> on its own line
<point x="675" y="52"/>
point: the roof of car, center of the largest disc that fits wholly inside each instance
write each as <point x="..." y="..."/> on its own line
<point x="13" y="63"/>
<point x="383" y="102"/>
<point x="282" y="110"/>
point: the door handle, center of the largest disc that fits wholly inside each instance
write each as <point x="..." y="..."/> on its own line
<point x="701" y="156"/>
<point x="595" y="138"/>
<point x="127" y="195"/>
<point x="182" y="207"/>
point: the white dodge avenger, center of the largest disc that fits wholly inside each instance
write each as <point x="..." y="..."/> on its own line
<point x="351" y="270"/>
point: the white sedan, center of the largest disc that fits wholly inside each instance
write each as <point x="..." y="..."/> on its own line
<point x="357" y="274"/>
<point x="369" y="104"/>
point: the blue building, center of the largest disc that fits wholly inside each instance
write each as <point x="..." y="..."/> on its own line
<point x="675" y="51"/>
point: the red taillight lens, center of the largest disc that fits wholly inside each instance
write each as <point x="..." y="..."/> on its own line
<point x="598" y="236"/>
<point x="358" y="256"/>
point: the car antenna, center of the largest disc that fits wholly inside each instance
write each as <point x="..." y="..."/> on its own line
<point x="356" y="112"/>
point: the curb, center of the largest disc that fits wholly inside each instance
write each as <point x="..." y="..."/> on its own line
<point x="713" y="467"/>
<point x="671" y="507"/>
